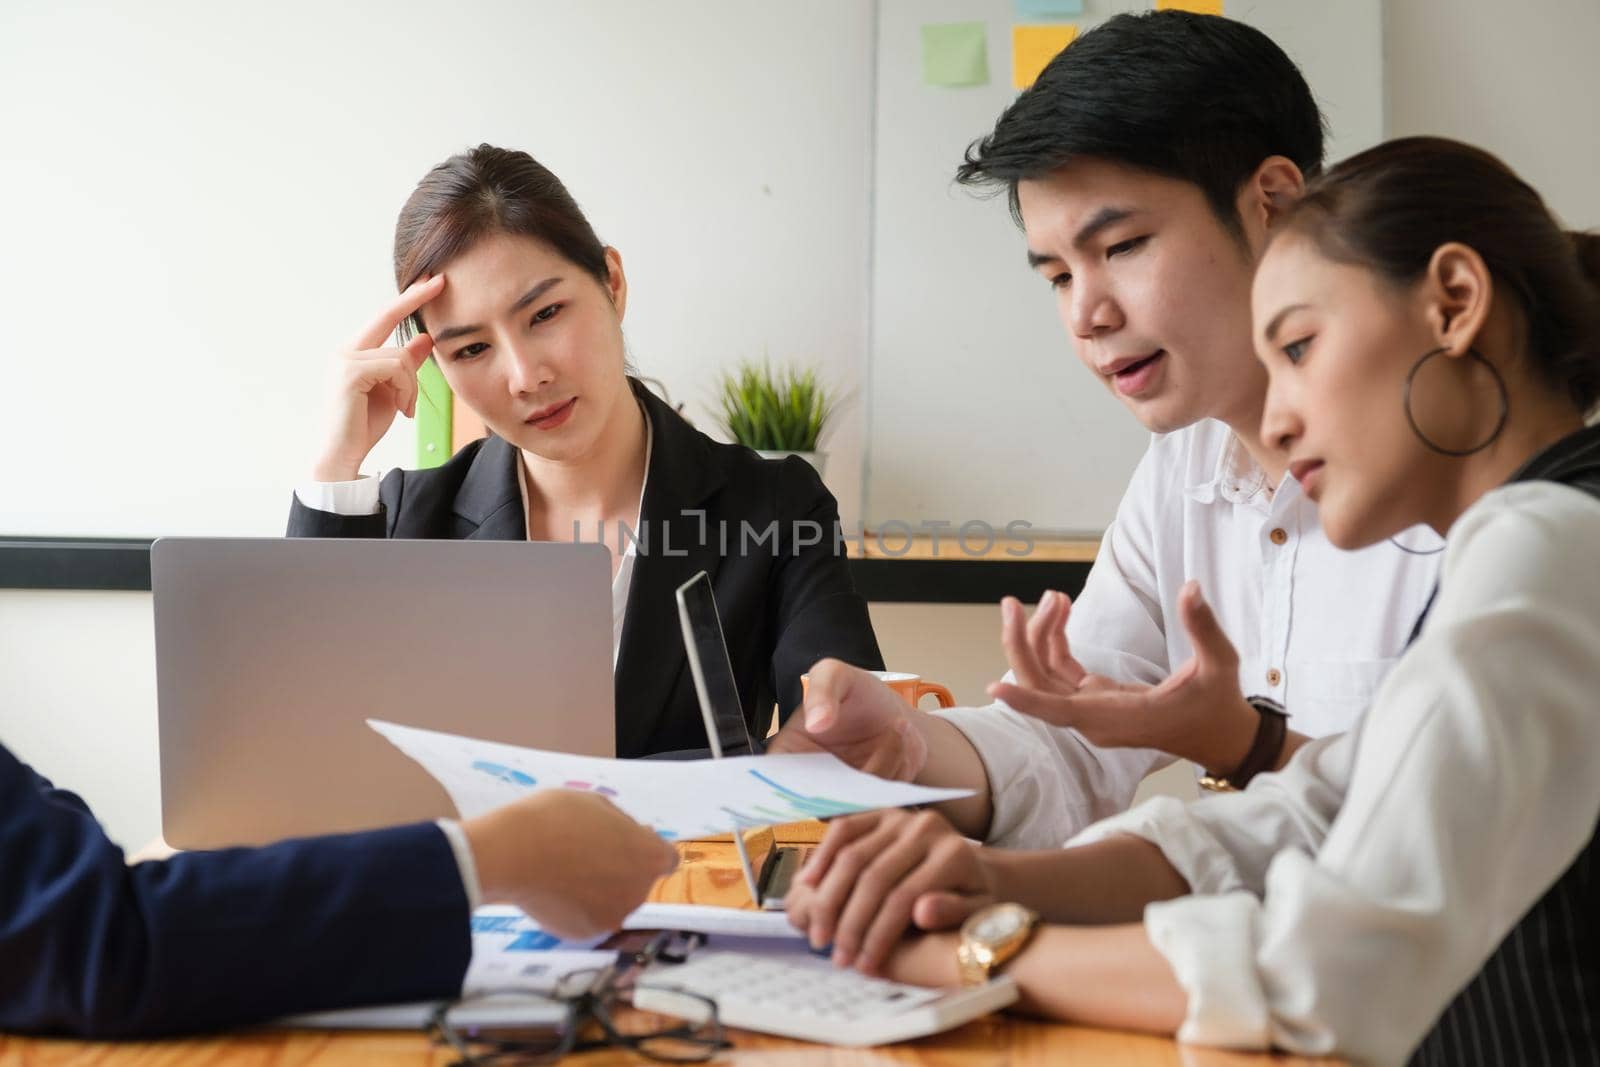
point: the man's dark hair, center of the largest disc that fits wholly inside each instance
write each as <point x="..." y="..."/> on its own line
<point x="1195" y="97"/>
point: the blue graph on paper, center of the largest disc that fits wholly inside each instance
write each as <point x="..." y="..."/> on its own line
<point x="525" y="936"/>
<point x="789" y="806"/>
<point x="534" y="941"/>
<point x="498" y="931"/>
<point x="497" y="924"/>
<point x="504" y="773"/>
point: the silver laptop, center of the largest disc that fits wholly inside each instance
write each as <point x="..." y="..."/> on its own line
<point x="271" y="654"/>
<point x="768" y="867"/>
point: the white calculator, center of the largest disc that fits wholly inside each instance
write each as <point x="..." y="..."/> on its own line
<point x="800" y="995"/>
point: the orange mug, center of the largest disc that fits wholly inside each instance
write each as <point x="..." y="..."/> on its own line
<point x="910" y="687"/>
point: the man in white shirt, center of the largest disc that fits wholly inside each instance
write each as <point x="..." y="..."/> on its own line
<point x="1146" y="220"/>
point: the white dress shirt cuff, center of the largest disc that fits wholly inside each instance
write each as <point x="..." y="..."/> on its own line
<point x="359" y="497"/>
<point x="1188" y="844"/>
<point x="1210" y="942"/>
<point x="1008" y="760"/>
<point x="457" y="837"/>
<point x="1046" y="783"/>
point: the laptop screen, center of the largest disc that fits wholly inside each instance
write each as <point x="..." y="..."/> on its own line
<point x="713" y="674"/>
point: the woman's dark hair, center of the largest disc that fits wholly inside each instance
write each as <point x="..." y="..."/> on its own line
<point x="486" y="191"/>
<point x="1390" y="208"/>
<point x="1194" y="97"/>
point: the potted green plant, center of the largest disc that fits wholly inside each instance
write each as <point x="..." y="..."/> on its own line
<point x="777" y="413"/>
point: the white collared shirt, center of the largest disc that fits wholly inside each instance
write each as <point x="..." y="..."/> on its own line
<point x="1316" y="628"/>
<point x="1343" y="902"/>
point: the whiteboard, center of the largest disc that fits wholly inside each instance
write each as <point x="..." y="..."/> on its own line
<point x="979" y="408"/>
<point x="199" y="203"/>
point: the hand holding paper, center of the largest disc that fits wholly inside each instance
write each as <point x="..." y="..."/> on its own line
<point x="679" y="800"/>
<point x="571" y="859"/>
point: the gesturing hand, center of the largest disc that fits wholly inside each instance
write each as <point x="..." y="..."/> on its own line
<point x="1198" y="712"/>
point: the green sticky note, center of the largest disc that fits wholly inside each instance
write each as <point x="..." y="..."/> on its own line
<point x="955" y="54"/>
<point x="434" y="401"/>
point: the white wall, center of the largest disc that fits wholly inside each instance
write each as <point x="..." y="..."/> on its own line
<point x="200" y="201"/>
<point x="1520" y="80"/>
<point x="78" y="700"/>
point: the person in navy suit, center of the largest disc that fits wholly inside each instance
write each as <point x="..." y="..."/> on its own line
<point x="92" y="947"/>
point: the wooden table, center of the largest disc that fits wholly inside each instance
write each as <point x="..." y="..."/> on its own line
<point x="709" y="875"/>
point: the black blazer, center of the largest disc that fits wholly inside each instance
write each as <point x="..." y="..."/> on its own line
<point x="707" y="506"/>
<point x="94" y="948"/>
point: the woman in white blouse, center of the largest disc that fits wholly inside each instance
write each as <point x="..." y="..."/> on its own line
<point x="1421" y="887"/>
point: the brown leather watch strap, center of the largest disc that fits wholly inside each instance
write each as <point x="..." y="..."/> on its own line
<point x="1264" y="750"/>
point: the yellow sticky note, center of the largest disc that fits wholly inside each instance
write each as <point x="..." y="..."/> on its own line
<point x="1199" y="7"/>
<point x="1033" y="47"/>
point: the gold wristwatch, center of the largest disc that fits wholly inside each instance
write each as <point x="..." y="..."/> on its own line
<point x="991" y="936"/>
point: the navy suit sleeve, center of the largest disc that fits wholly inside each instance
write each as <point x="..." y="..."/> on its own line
<point x="92" y="947"/>
<point x="819" y="612"/>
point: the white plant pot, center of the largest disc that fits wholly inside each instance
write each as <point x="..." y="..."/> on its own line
<point x="818" y="460"/>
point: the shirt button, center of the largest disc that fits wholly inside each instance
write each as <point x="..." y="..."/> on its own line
<point x="1274" y="676"/>
<point x="1279" y="536"/>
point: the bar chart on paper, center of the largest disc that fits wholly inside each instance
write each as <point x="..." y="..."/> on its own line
<point x="678" y="799"/>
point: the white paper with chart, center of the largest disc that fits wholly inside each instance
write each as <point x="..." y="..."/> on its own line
<point x="680" y="800"/>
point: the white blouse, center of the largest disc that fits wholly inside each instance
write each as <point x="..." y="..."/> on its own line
<point x="1343" y="902"/>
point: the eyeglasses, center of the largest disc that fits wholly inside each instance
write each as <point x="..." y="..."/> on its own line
<point x="590" y="998"/>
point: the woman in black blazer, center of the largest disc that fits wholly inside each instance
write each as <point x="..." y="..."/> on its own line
<point x="505" y="284"/>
